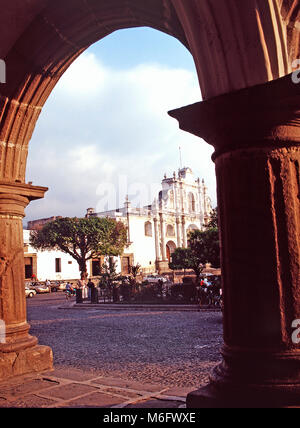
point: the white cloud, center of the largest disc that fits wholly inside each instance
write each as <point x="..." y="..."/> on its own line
<point x="85" y="77"/>
<point x="101" y="123"/>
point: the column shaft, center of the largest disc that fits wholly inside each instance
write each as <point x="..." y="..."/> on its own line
<point x="178" y="232"/>
<point x="19" y="352"/>
<point x="12" y="299"/>
<point x="184" y="237"/>
<point x="256" y="135"/>
<point x="156" y="238"/>
<point x="163" y="239"/>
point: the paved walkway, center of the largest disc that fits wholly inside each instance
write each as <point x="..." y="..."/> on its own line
<point x="72" y="388"/>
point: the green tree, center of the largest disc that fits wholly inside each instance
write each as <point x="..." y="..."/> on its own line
<point x="181" y="259"/>
<point x="188" y="258"/>
<point x="134" y="270"/>
<point x="212" y="239"/>
<point x="109" y="274"/>
<point x="82" y="238"/>
<point x="212" y="242"/>
<point x="213" y="221"/>
<point x="205" y="246"/>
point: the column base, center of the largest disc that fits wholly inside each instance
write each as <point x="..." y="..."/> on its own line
<point x="251" y="379"/>
<point x="162" y="266"/>
<point x="210" y="397"/>
<point x="30" y="360"/>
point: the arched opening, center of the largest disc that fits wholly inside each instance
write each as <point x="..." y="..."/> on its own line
<point x="236" y="53"/>
<point x="109" y="111"/>
<point x="41" y="54"/>
<point x="53" y="42"/>
<point x="192" y="227"/>
<point x="63" y="166"/>
<point x="170" y="248"/>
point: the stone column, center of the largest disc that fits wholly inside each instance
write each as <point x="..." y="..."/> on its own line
<point x="163" y="239"/>
<point x="19" y="352"/>
<point x="184" y="237"/>
<point x="163" y="263"/>
<point x="156" y="239"/>
<point x="205" y="210"/>
<point x="178" y="232"/>
<point x="256" y="134"/>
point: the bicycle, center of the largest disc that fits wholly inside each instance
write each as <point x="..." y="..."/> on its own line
<point x="69" y="293"/>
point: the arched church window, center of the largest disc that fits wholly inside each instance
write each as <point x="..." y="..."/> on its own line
<point x="170" y="248"/>
<point x="170" y="230"/>
<point x="191" y="202"/>
<point x="148" y="228"/>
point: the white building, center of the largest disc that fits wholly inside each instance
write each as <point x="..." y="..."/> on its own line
<point x="52" y="265"/>
<point x="155" y="231"/>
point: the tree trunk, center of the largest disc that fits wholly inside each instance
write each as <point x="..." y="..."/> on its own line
<point x="83" y="269"/>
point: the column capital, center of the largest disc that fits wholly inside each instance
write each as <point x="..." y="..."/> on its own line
<point x="14" y="198"/>
<point x="22" y="189"/>
<point x="12" y="206"/>
<point x="259" y="116"/>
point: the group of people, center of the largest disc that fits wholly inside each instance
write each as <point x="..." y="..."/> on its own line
<point x="83" y="285"/>
<point x="209" y="292"/>
<point x="86" y="286"/>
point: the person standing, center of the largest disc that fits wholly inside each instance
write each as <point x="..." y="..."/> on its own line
<point x="90" y="285"/>
<point x="81" y="284"/>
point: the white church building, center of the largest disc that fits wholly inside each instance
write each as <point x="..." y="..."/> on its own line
<point x="156" y="230"/>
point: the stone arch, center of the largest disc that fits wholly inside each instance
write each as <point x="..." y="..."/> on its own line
<point x="170" y="248"/>
<point x="192" y="227"/>
<point x="54" y="38"/>
<point x="237" y="47"/>
<point x="49" y="38"/>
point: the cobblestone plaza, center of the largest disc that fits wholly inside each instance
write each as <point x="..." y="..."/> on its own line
<point x="117" y="358"/>
<point x="170" y="348"/>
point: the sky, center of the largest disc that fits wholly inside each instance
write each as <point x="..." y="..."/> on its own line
<point x="104" y="132"/>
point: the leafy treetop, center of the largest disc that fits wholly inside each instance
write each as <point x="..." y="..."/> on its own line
<point x="82" y="238"/>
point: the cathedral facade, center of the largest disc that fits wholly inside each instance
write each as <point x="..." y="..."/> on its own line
<point x="156" y="230"/>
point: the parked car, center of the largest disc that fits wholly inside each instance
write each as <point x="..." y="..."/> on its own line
<point x="39" y="288"/>
<point x="29" y="292"/>
<point x="57" y="286"/>
<point x="154" y="278"/>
